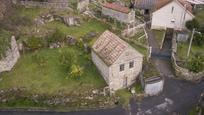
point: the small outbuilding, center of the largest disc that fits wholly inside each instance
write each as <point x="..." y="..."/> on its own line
<point x="118" y="12"/>
<point x="116" y="60"/>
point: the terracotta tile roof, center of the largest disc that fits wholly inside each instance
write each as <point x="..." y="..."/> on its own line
<point x="157" y="4"/>
<point x="109" y="47"/>
<point x="161" y="3"/>
<point x="116" y="7"/>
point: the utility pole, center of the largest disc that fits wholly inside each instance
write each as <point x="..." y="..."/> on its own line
<point x="189" y="48"/>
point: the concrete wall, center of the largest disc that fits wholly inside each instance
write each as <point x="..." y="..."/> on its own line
<point x="154" y="88"/>
<point x="12" y="55"/>
<point x="162" y="18"/>
<point x="122" y="17"/>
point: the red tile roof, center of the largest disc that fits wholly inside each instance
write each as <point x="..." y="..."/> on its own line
<point x="109" y="47"/>
<point x="117" y="7"/>
<point x="161" y="3"/>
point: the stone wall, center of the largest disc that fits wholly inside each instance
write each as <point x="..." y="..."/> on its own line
<point x="122" y="17"/>
<point x="12" y="56"/>
<point x="183" y="72"/>
<point x="5" y="7"/>
<point x="58" y="5"/>
<point x="82" y="5"/>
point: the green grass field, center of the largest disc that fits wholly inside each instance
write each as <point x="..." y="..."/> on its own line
<point x="51" y="78"/>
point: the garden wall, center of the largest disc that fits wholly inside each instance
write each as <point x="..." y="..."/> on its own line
<point x="58" y="5"/>
<point x="12" y="56"/>
<point x="183" y="72"/>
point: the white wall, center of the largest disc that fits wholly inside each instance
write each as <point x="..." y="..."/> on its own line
<point x="162" y="18"/>
<point x="154" y="88"/>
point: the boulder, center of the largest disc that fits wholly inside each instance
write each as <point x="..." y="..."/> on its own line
<point x="71" y="21"/>
<point x="71" y="40"/>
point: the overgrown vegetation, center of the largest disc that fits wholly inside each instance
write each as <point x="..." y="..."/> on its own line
<point x="192" y="24"/>
<point x="5" y="37"/>
<point x="196" y="64"/>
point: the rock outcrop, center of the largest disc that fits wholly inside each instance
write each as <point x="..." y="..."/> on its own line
<point x="12" y="56"/>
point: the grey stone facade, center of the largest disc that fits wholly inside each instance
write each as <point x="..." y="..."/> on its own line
<point x="111" y="72"/>
<point x="118" y="15"/>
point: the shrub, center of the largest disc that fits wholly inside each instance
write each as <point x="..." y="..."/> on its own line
<point x="196" y="64"/>
<point x="192" y="24"/>
<point x="57" y="36"/>
<point x="34" y="43"/>
<point x="75" y="71"/>
<point x="67" y="59"/>
<point x="198" y="39"/>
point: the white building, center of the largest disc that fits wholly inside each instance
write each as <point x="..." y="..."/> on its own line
<point x="117" y="61"/>
<point x="171" y="14"/>
<point x="118" y="12"/>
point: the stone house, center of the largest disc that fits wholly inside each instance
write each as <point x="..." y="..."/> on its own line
<point x="171" y="14"/>
<point x="118" y="12"/>
<point x="82" y="5"/>
<point x="116" y="60"/>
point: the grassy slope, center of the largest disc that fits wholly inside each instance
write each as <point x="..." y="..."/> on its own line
<point x="51" y="78"/>
<point x="91" y="25"/>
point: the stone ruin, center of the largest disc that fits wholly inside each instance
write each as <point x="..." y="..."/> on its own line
<point x="12" y="56"/>
<point x="71" y="20"/>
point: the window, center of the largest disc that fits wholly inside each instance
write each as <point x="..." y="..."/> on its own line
<point x="172" y="9"/>
<point x="122" y="67"/>
<point x="131" y="64"/>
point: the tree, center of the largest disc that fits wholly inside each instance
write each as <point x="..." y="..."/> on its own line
<point x="198" y="39"/>
<point x="192" y="24"/>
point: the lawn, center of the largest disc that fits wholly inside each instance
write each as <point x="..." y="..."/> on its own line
<point x="78" y="31"/>
<point x="159" y="36"/>
<point x="51" y="78"/>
